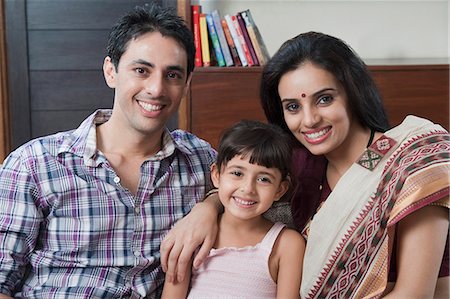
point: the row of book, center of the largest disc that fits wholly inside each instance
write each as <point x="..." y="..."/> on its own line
<point x="233" y="40"/>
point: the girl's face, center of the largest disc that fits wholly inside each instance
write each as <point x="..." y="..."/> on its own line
<point x="315" y="109"/>
<point x="247" y="190"/>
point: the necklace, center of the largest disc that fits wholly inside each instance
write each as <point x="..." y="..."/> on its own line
<point x="372" y="134"/>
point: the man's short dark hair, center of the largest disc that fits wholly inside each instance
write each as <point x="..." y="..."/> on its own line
<point x="150" y="18"/>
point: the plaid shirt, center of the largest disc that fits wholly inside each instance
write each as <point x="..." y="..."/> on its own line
<point x="68" y="229"/>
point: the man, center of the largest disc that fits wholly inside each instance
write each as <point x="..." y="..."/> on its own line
<point x="83" y="213"/>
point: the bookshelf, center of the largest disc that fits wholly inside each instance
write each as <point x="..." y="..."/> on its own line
<point x="220" y="96"/>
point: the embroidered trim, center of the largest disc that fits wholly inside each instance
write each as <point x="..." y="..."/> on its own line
<point x="375" y="152"/>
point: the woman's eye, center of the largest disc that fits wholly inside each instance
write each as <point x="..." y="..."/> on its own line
<point x="325" y="99"/>
<point x="292" y="107"/>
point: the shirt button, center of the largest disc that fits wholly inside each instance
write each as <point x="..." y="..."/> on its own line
<point x="137" y="254"/>
<point x="137" y="210"/>
<point x="116" y="180"/>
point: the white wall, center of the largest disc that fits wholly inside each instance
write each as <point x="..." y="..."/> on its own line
<point x="396" y="29"/>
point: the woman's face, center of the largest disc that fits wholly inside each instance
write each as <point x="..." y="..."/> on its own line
<point x="315" y="109"/>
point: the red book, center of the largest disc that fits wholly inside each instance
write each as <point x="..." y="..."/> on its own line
<point x="248" y="56"/>
<point x="196" y="9"/>
<point x="230" y="42"/>
<point x="247" y="39"/>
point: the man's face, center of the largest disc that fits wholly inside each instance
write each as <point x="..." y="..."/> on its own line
<point x="149" y="83"/>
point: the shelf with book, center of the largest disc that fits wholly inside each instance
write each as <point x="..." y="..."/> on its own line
<point x="231" y="40"/>
<point x="221" y="96"/>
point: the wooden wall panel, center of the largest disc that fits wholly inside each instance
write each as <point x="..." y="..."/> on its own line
<point x="67" y="49"/>
<point x="4" y="109"/>
<point x="45" y="122"/>
<point x="78" y="90"/>
<point x="17" y="64"/>
<point x="79" y="14"/>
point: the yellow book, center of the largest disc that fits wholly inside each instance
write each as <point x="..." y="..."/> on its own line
<point x="204" y="40"/>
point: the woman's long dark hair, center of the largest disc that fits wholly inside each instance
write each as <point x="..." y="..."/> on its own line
<point x="364" y="100"/>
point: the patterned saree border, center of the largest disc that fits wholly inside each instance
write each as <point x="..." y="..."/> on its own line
<point x="419" y="204"/>
<point x="345" y="270"/>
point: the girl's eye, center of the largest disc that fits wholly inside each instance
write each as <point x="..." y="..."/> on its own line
<point x="236" y="173"/>
<point x="324" y="100"/>
<point x="264" y="180"/>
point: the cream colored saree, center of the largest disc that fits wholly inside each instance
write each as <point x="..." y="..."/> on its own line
<point x="349" y="239"/>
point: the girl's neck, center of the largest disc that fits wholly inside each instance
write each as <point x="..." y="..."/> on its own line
<point x="235" y="232"/>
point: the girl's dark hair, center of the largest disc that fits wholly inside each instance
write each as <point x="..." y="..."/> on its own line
<point x="267" y="145"/>
<point x="334" y="56"/>
<point x="151" y="18"/>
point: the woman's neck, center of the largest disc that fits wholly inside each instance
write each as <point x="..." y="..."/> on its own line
<point x="342" y="158"/>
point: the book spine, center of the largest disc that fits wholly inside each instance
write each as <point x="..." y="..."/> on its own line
<point x="236" y="26"/>
<point x="204" y="40"/>
<point x="196" y="30"/>
<point x="231" y="45"/>
<point x="215" y="40"/>
<point x="236" y="40"/>
<point x="251" y="33"/>
<point x="222" y="40"/>
<point x="247" y="39"/>
<point x="258" y="35"/>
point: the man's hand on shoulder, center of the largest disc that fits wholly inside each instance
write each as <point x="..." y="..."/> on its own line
<point x="197" y="230"/>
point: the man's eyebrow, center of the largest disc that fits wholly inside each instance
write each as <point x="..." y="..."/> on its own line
<point x="178" y="68"/>
<point x="144" y="62"/>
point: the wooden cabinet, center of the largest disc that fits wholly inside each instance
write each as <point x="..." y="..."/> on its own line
<point x="221" y="96"/>
<point x="422" y="90"/>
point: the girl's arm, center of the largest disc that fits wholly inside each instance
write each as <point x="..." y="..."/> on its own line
<point x="421" y="240"/>
<point x="177" y="289"/>
<point x="198" y="228"/>
<point x="290" y="247"/>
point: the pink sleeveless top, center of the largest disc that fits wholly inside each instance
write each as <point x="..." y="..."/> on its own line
<point x="237" y="272"/>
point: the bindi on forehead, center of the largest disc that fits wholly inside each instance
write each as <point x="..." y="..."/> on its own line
<point x="303" y="95"/>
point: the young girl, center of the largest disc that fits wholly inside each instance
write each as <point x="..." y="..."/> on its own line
<point x="252" y="257"/>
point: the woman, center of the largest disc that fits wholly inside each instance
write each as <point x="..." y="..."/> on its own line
<point x="372" y="203"/>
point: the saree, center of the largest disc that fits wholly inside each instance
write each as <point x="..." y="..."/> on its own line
<point x="350" y="237"/>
